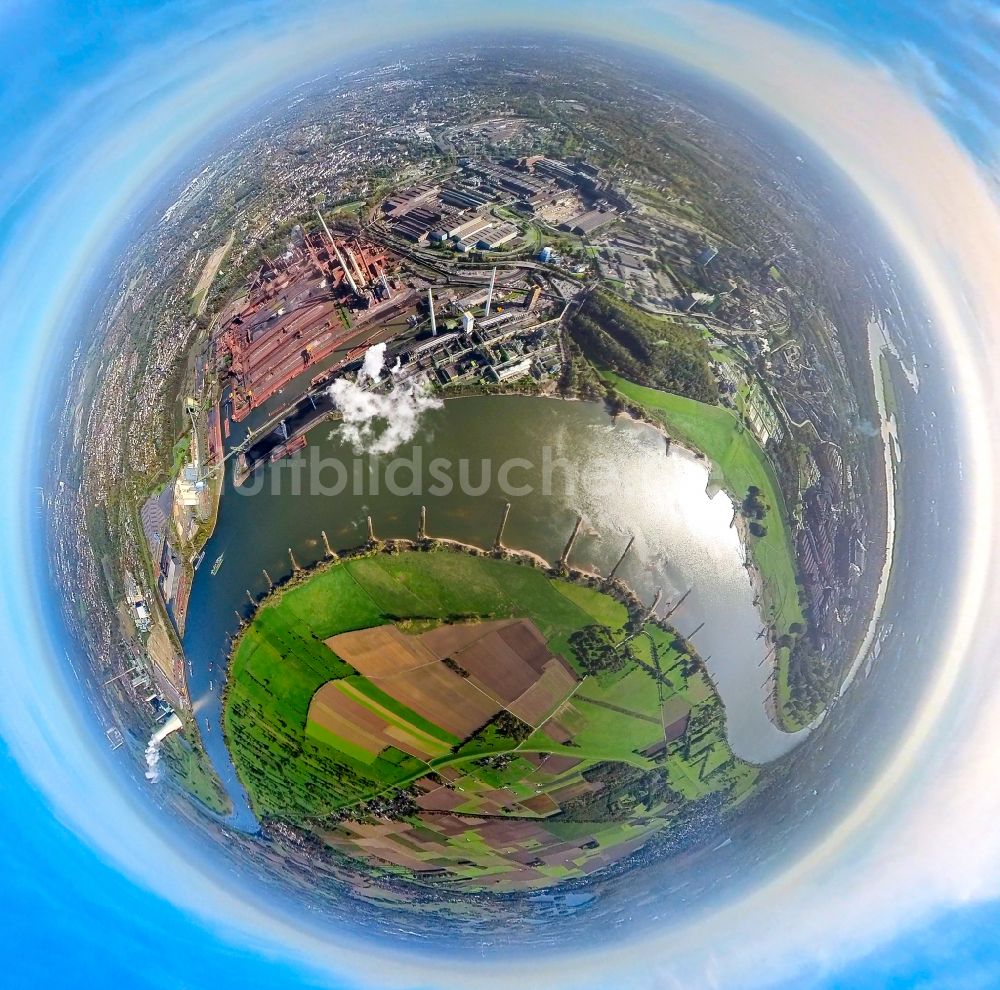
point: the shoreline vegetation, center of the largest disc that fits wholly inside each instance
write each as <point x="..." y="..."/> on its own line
<point x="191" y="771"/>
<point x="740" y="467"/>
<point x="736" y="465"/>
<point x="714" y="434"/>
<point x="643" y="702"/>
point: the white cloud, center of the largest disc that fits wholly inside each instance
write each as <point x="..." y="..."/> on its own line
<point x="921" y="73"/>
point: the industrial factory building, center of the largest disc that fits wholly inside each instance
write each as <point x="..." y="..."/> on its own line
<point x="570" y="194"/>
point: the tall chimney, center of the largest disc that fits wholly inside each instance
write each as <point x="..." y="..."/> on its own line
<point x="489" y="298"/>
<point x="430" y="306"/>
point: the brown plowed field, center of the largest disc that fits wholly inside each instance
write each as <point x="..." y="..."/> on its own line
<point x="381" y="652"/>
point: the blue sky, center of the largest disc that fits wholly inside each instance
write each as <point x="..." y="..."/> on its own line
<point x="947" y="50"/>
<point x="68" y="918"/>
<point x="957" y="952"/>
<point x="68" y="912"/>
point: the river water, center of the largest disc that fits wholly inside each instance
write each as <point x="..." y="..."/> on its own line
<point x="552" y="460"/>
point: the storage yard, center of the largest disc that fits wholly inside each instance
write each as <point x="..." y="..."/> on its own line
<point x="299" y="310"/>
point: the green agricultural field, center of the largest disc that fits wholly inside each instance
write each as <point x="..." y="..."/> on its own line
<point x="377" y="700"/>
<point x="639" y="739"/>
<point x="601" y="608"/>
<point x="281" y="661"/>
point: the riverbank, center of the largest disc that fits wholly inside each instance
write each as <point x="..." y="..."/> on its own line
<point x="321" y="739"/>
<point x="616" y="472"/>
<point x="877" y="345"/>
<point x="301" y="575"/>
<point x="737" y="464"/>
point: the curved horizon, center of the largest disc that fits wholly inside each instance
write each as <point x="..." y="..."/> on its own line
<point x="66" y="207"/>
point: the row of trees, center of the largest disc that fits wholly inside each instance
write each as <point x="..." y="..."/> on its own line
<point x="624" y="792"/>
<point x="811" y="681"/>
<point x="755" y="509"/>
<point x="595" y="649"/>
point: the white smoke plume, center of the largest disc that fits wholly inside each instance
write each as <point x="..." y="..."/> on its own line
<point x="172" y="724"/>
<point x="377" y="423"/>
<point x="373" y="364"/>
<point x="153" y="760"/>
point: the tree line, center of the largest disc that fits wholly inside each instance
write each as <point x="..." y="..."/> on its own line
<point x="647" y="350"/>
